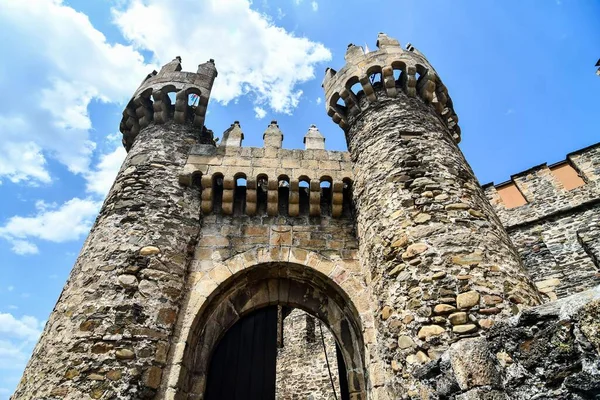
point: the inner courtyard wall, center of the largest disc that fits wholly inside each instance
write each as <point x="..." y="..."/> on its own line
<point x="557" y="229"/>
<point x="302" y="368"/>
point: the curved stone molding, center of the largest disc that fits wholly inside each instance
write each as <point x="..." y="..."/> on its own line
<point x="151" y="101"/>
<point x="275" y="275"/>
<point x="417" y="78"/>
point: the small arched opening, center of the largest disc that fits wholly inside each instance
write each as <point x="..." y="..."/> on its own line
<point x="375" y="77"/>
<point x="354" y="86"/>
<point x="239" y="194"/>
<point x="217" y="186"/>
<point x="347" y="198"/>
<point x="326" y="195"/>
<point x="197" y="181"/>
<point x="420" y="74"/>
<point x="283" y="188"/>
<point x="262" y="188"/>
<point x="304" y="194"/>
<point x="400" y="76"/>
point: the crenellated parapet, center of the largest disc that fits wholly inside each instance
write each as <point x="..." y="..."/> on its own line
<point x="545" y="190"/>
<point x="552" y="214"/>
<point x="385" y="73"/>
<point x="169" y="95"/>
<point x="270" y="181"/>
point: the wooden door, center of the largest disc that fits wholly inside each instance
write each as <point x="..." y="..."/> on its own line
<point x="243" y="365"/>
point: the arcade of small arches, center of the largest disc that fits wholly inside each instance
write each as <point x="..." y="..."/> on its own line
<point x="239" y="195"/>
<point x="361" y="88"/>
<point x="159" y="105"/>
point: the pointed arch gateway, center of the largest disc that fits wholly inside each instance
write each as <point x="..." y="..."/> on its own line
<point x="245" y="284"/>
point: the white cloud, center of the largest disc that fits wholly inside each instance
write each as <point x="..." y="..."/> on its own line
<point x="20" y="160"/>
<point x="17" y="338"/>
<point x="259" y="112"/>
<point x="70" y="221"/>
<point x="101" y="178"/>
<point x="319" y="100"/>
<point x="315" y="6"/>
<point x="23" y="247"/>
<point x="10" y="288"/>
<point x="68" y="63"/>
<point x="253" y="55"/>
<point x="26" y="327"/>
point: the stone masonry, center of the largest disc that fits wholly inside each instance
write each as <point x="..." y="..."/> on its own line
<point x="431" y="286"/>
<point x="302" y="371"/>
<point x="440" y="263"/>
<point x="557" y="230"/>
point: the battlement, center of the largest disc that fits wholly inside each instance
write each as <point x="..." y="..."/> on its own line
<point x="237" y="180"/>
<point x="545" y="190"/>
<point x="153" y="100"/>
<point x="385" y="73"/>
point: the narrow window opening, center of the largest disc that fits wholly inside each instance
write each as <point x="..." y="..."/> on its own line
<point x="239" y="195"/>
<point x="375" y="77"/>
<point x="217" y="193"/>
<point x="283" y="195"/>
<point x="170" y="100"/>
<point x="304" y="189"/>
<point x="355" y="87"/>
<point x="399" y="73"/>
<point x="197" y="181"/>
<point x="262" y="184"/>
<point x="326" y="196"/>
<point x="421" y="73"/>
<point x="337" y="103"/>
<point x="347" y="198"/>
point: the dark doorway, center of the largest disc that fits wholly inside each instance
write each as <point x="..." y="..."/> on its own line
<point x="243" y="364"/>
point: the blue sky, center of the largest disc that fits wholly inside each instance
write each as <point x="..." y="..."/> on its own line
<point x="520" y="73"/>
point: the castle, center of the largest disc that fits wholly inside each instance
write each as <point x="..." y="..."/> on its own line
<point x="198" y="275"/>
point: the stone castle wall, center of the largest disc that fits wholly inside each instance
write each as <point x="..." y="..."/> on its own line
<point x="557" y="231"/>
<point x="302" y="371"/>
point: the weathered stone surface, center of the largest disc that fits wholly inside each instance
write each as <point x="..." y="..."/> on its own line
<point x="443" y="309"/>
<point x="149" y="251"/>
<point x="462" y="329"/>
<point x="467" y="300"/>
<point x="405" y="342"/>
<point x="430" y="330"/>
<point x="458" y="318"/>
<point x="472" y="364"/>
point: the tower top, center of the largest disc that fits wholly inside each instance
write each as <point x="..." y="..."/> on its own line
<point x="385" y="72"/>
<point x="151" y="101"/>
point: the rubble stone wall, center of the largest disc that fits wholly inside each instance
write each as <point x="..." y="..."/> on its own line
<point x="302" y="371"/>
<point x="109" y="333"/>
<point x="557" y="232"/>
<point x="550" y="351"/>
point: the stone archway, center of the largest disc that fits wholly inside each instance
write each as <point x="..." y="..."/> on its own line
<point x="245" y="284"/>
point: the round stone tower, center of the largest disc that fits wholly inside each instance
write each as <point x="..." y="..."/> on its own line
<point x="109" y="334"/>
<point x="440" y="262"/>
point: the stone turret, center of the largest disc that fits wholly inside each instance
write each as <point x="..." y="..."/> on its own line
<point x="313" y="139"/>
<point x="108" y="336"/>
<point x="273" y="137"/>
<point x="440" y="262"/>
<point x="152" y="101"/>
<point x="233" y="136"/>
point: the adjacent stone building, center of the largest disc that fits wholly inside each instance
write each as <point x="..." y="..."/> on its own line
<point x="430" y="285"/>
